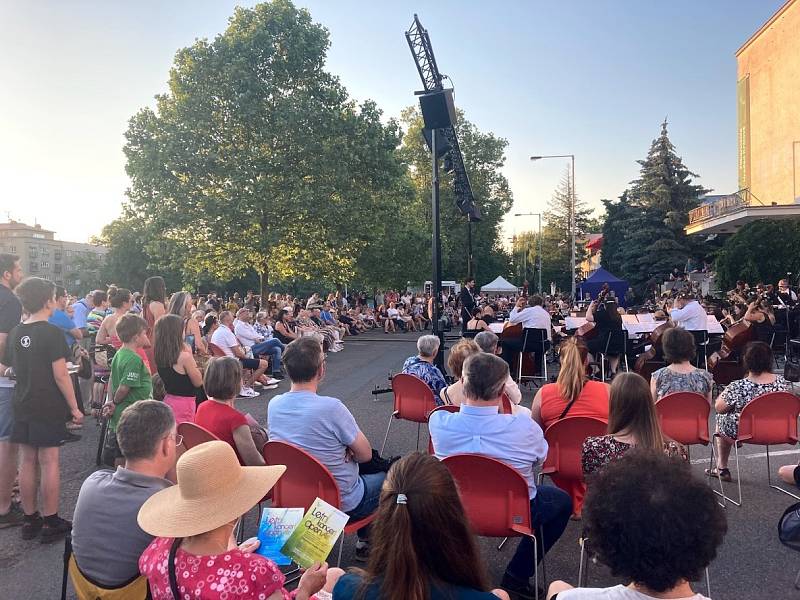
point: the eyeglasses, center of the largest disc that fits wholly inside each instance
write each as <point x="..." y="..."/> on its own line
<point x="178" y="439"/>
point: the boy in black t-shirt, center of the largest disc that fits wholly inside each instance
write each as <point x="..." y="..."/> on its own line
<point x="38" y="353"/>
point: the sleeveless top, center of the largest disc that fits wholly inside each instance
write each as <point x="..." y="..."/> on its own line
<point x="592" y="402"/>
<point x="176" y="384"/>
<point x="669" y="381"/>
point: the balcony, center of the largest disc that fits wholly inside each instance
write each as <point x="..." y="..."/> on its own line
<point x="726" y="214"/>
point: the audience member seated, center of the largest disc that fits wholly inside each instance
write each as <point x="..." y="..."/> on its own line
<point x="219" y="415"/>
<point x="680" y="375"/>
<point x="632" y="422"/>
<point x="573" y="395"/>
<point x="420" y="520"/>
<point x="197" y="518"/>
<point x="226" y="341"/>
<point x="653" y="525"/>
<point x="489" y="342"/>
<point x="176" y="367"/>
<point x="393" y="320"/>
<point x="454" y="394"/>
<point x="606" y="320"/>
<point x="323" y="426"/>
<point x="476" y="323"/>
<point x="514" y="439"/>
<point x="422" y="365"/>
<point x="106" y="540"/>
<point x="760" y="380"/>
<point x="257" y="344"/>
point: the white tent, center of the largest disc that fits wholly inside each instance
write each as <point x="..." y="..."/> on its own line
<point x="500" y="286"/>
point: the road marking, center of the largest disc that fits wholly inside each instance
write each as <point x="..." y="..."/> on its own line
<point x="700" y="461"/>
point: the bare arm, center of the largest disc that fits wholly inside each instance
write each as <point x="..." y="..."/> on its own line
<point x="121" y="393"/>
<point x="64" y="383"/>
<point x="3" y="337"/>
<point x="186" y="360"/>
<point x="536" y="408"/>
<point x="76" y="333"/>
<point x="653" y="390"/>
<point x="721" y="406"/>
<point x="247" y="447"/>
<point x="590" y="313"/>
<point x="199" y="344"/>
<point x="157" y="309"/>
<point x="361" y="448"/>
<point x="103" y="334"/>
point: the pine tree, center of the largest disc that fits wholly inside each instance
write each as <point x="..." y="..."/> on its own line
<point x="647" y="232"/>
<point x="556" y="239"/>
<point x="615" y="232"/>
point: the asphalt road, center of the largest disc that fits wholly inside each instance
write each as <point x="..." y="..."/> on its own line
<point x="751" y="564"/>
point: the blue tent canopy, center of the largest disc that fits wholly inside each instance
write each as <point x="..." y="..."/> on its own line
<point x="594" y="284"/>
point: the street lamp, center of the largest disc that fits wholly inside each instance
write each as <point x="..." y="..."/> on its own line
<point x="571" y="213"/>
<point x="539" y="240"/>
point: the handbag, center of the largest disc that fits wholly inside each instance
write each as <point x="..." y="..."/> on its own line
<point x="376" y="464"/>
<point x="789" y="527"/>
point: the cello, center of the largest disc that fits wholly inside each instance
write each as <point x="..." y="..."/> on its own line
<point x="589" y="330"/>
<point x="647" y="362"/>
<point x="725" y="365"/>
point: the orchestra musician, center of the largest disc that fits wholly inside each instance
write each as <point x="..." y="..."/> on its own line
<point x="689" y="314"/>
<point x="785" y="296"/>
<point x="467" y="301"/>
<point x="739" y="294"/>
<point x="603" y="313"/>
<point x="762" y="319"/>
<point x="532" y="316"/>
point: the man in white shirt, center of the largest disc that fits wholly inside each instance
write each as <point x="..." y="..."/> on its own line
<point x="689" y="314"/>
<point x="255" y="343"/>
<point x="226" y="341"/>
<point x="532" y="316"/>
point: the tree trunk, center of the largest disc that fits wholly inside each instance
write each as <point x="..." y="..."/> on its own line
<point x="264" y="280"/>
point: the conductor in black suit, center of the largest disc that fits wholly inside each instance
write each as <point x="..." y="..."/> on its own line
<point x="467" y="301"/>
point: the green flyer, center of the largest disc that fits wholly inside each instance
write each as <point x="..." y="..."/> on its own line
<point x="315" y="535"/>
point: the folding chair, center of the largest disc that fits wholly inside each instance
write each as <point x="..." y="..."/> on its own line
<point x="413" y="401"/>
<point x="534" y="341"/>
<point x="305" y="480"/>
<point x="767" y="420"/>
<point x="496" y="500"/>
<point x="88" y="589"/>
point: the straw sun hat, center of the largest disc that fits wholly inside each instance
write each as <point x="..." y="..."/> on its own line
<point x="213" y="489"/>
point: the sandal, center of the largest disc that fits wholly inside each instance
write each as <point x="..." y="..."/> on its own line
<point x="721" y="474"/>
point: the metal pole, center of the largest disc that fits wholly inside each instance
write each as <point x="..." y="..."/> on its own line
<point x="572" y="227"/>
<point x="436" y="247"/>
<point x="539" y="257"/>
<point x="469" y="248"/>
<point x="525" y="259"/>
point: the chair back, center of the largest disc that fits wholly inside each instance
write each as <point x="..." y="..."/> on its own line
<point x="565" y="440"/>
<point x="506" y="406"/>
<point x="194" y="435"/>
<point x="770" y="419"/>
<point x="683" y="417"/>
<point x="470" y="333"/>
<point x="451" y="408"/>
<point x="413" y="399"/>
<point x="305" y="479"/>
<point x="534" y="340"/>
<point x="216" y="350"/>
<point x="494" y="495"/>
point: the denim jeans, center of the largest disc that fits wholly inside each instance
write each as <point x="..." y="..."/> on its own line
<point x="550" y="512"/>
<point x="274" y="348"/>
<point x="369" y="502"/>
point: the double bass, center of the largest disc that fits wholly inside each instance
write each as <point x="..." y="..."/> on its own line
<point x="725" y="365"/>
<point x="589" y="330"/>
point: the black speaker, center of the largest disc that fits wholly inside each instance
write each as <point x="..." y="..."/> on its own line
<point x="442" y="145"/>
<point x="438" y="109"/>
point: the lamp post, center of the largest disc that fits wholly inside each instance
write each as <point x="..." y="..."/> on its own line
<point x="539" y="243"/>
<point x="571" y="213"/>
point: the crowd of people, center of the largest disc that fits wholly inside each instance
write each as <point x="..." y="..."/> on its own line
<point x="164" y="517"/>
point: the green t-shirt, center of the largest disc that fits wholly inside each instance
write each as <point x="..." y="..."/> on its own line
<point x="128" y="369"/>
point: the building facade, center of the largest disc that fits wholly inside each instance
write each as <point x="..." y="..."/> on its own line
<point x="41" y="255"/>
<point x="768" y="127"/>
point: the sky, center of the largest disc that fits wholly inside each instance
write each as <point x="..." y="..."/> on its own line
<point x="593" y="78"/>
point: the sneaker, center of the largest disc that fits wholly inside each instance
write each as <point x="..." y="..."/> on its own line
<point x="273" y="386"/>
<point x="362" y="552"/>
<point x="13" y="517"/>
<point x="247" y="392"/>
<point x="56" y="530"/>
<point x="31" y="526"/>
<point x="272" y="381"/>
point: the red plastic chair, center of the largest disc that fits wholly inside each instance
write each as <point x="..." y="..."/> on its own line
<point x="506" y="407"/>
<point x="565" y="441"/>
<point x="413" y="401"/>
<point x="768" y="419"/>
<point x="194" y="435"/>
<point x="216" y="350"/>
<point x="684" y="417"/>
<point x="305" y="480"/>
<point x="496" y="499"/>
<point x="451" y="408"/>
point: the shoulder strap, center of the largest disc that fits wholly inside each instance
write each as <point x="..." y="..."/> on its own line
<point x="173" y="578"/>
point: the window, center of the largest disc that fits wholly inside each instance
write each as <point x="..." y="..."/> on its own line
<point x="57" y="255"/>
<point x="38" y="236"/>
<point x="57" y="268"/>
<point x="34" y="267"/>
<point x="13" y="249"/>
<point x="45" y="264"/>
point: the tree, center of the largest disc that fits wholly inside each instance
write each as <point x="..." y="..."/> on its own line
<point x="556" y="237"/>
<point x="617" y="215"/>
<point x="778" y="253"/>
<point x="647" y="232"/>
<point x="255" y="159"/>
<point x="484" y="157"/>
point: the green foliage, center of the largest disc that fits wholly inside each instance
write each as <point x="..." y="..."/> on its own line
<point x="764" y="251"/>
<point x="85" y="273"/>
<point x="484" y="156"/>
<point x="643" y="233"/>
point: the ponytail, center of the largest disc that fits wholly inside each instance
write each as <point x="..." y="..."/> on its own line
<point x="572" y="375"/>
